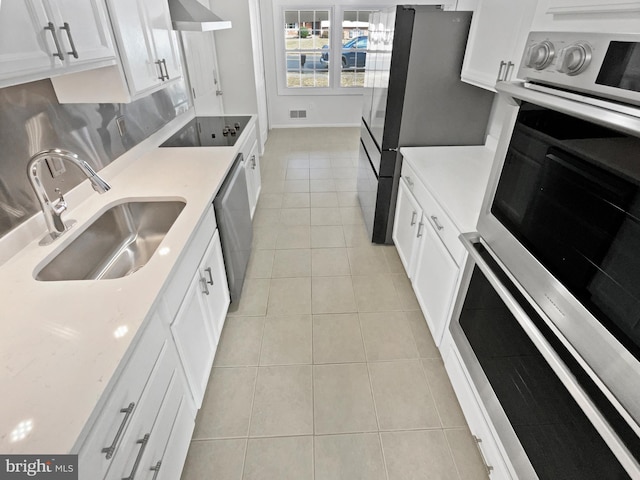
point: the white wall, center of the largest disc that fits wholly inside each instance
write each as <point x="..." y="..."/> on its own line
<point x="234" y="48"/>
<point x="322" y="110"/>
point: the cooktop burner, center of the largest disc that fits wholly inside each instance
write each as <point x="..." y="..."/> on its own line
<point x="209" y="132"/>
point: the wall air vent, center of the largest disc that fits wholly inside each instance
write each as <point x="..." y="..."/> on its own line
<point x="297" y="114"/>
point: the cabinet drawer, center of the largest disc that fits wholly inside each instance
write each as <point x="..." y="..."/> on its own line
<point x="169" y="440"/>
<point x="469" y="403"/>
<point x="128" y="459"/>
<point x="183" y="272"/>
<point x="115" y="418"/>
<point x="435" y="215"/>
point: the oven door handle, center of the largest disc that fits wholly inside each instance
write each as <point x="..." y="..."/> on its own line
<point x="555" y="362"/>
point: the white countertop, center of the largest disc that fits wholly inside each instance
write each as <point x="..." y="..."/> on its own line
<point x="456" y="176"/>
<point x="58" y="350"/>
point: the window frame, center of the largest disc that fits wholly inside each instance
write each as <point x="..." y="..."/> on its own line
<point x="336" y="15"/>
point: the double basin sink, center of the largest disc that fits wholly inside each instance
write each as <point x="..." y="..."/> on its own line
<point x="116" y="244"/>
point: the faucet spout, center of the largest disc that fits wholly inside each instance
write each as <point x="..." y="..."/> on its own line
<point x="53" y="211"/>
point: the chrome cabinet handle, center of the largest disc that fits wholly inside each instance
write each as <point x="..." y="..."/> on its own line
<point x="51" y="27"/>
<point x="159" y="63"/>
<point x="166" y="71"/>
<point x="507" y="72"/>
<point x="205" y="288"/>
<point x="488" y="467"/>
<point x="413" y="218"/>
<point x="73" y="51"/>
<point x="502" y="65"/>
<point x="253" y="162"/>
<point x="156" y="469"/>
<point x="208" y="270"/>
<point x="437" y="224"/>
<point x="143" y="444"/>
<point x="420" y="227"/>
<point x="112" y="448"/>
<point x="409" y="182"/>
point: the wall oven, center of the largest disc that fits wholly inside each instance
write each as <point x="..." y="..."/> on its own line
<point x="548" y="320"/>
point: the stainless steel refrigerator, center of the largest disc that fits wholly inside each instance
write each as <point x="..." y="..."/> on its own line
<point x="413" y="96"/>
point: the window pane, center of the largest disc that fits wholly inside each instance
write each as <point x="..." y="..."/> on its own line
<point x="322" y="29"/>
<point x="355" y="33"/>
<point x="291" y="22"/>
<point x="307" y="34"/>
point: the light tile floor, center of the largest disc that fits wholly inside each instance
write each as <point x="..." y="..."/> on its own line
<point x="326" y="369"/>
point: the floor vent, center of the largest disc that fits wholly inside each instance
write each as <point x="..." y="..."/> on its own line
<point x="297" y="114"/>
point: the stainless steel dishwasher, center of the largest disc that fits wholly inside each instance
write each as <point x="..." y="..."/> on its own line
<point x="234" y="223"/>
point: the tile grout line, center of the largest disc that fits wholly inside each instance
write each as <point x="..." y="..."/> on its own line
<point x="455" y="464"/>
<point x="255" y="385"/>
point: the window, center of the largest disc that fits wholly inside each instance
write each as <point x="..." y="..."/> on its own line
<point x="318" y="57"/>
<point x="355" y="34"/>
<point x="306" y="38"/>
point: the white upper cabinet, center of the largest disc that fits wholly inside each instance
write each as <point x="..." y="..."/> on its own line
<point x="148" y="45"/>
<point x="587" y="16"/>
<point x="43" y="38"/>
<point x="149" y="57"/>
<point x="496" y="41"/>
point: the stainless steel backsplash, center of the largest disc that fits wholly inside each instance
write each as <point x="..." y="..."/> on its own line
<point x="32" y="120"/>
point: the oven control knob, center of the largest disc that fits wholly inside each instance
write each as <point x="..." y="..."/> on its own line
<point x="574" y="59"/>
<point x="540" y="55"/>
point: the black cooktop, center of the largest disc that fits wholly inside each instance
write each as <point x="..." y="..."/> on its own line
<point x="209" y="132"/>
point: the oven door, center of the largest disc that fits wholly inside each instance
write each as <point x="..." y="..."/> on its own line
<point x="552" y="420"/>
<point x="562" y="215"/>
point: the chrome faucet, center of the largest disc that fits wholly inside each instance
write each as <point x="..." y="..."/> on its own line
<point x="53" y="211"/>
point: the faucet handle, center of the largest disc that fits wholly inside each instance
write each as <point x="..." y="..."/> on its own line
<point x="61" y="205"/>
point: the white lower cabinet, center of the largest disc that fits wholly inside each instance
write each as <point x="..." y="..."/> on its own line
<point x="251" y="160"/>
<point x="435" y="279"/>
<point x="252" y="172"/>
<point x="197" y="326"/>
<point x="133" y="423"/>
<point x="145" y="424"/>
<point x="473" y="412"/>
<point x="428" y="246"/>
<point x="405" y="226"/>
<point x="102" y="446"/>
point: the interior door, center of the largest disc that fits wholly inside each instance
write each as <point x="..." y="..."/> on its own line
<point x="258" y="67"/>
<point x="202" y="65"/>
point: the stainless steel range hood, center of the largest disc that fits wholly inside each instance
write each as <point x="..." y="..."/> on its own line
<point x="192" y="16"/>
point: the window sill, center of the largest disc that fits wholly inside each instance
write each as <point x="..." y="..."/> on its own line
<point x="319" y="91"/>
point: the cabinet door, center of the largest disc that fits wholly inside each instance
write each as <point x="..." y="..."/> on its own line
<point x="497" y="36"/>
<point x="435" y="279"/>
<point x="252" y="171"/>
<point x="25" y="46"/>
<point x="137" y="53"/>
<point x="193" y="334"/>
<point x="405" y="226"/>
<point x="215" y="287"/>
<point x="83" y="29"/>
<point x="164" y="38"/>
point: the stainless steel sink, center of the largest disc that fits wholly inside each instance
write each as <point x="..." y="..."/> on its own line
<point x="118" y="243"/>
